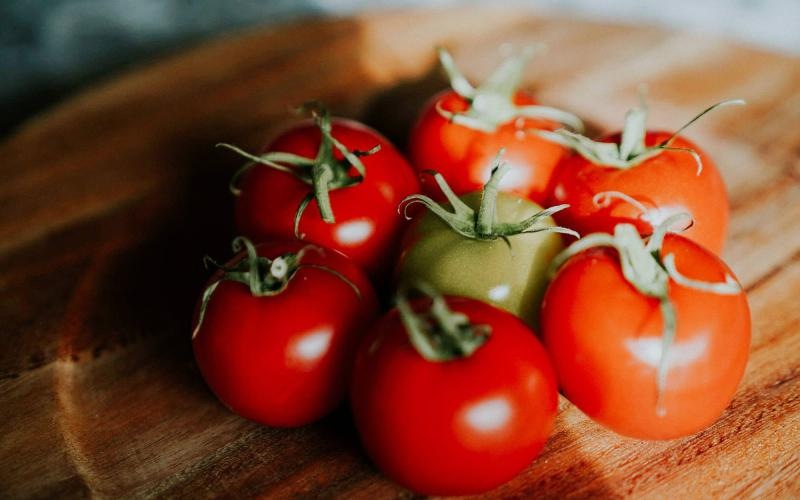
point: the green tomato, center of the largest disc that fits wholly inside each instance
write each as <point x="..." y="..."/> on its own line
<point x="512" y="278"/>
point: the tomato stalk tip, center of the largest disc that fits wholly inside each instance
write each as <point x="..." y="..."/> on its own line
<point x="484" y="222"/>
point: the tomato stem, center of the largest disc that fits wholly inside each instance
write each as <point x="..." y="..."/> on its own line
<point x="438" y="333"/>
<point x="603" y="199"/>
<point x="323" y="175"/>
<point x="644" y="267"/>
<point x="492" y="103"/>
<point x="486" y="213"/>
<point x="669" y="319"/>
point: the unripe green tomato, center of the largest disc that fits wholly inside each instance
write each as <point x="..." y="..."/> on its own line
<point x="512" y="278"/>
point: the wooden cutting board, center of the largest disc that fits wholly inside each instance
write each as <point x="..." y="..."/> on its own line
<point x="109" y="201"/>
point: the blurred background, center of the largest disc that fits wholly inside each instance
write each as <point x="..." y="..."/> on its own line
<point x="51" y="48"/>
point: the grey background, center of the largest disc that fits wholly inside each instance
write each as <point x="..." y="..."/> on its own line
<point x="50" y="48"/>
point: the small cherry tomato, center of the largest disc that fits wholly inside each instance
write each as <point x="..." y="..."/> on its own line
<point x="335" y="183"/>
<point x="452" y="398"/>
<point x="659" y="174"/>
<point x="277" y="328"/>
<point x="650" y="341"/>
<point x="459" y="132"/>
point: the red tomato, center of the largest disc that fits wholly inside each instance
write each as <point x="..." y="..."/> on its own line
<point x="367" y="227"/>
<point x="283" y="360"/>
<point x="454" y="427"/>
<point x="605" y="338"/>
<point x="666" y="184"/>
<point x="464" y="156"/>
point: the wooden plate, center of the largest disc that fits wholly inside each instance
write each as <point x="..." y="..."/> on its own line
<point x="108" y="202"/>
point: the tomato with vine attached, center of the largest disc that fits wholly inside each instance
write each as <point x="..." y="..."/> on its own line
<point x="649" y="338"/>
<point x="640" y="177"/>
<point x="452" y="396"/>
<point x="277" y="329"/>
<point x="332" y="182"/>
<point x="460" y="130"/>
<point x="493" y="246"/>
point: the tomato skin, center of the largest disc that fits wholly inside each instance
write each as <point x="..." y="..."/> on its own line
<point x="420" y="421"/>
<point x="367" y="227"/>
<point x="275" y="360"/>
<point x="464" y="156"/>
<point x="668" y="181"/>
<point x="604" y="340"/>
<point x="513" y="279"/>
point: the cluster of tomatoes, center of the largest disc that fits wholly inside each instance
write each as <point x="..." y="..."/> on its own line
<point x="454" y="389"/>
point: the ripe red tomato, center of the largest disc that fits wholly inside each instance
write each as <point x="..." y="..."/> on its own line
<point x="464" y="156"/>
<point x="367" y="226"/>
<point x="665" y="184"/>
<point x="606" y="341"/>
<point x="283" y="359"/>
<point x="460" y="426"/>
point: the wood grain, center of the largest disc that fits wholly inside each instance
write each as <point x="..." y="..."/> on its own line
<point x="108" y="202"/>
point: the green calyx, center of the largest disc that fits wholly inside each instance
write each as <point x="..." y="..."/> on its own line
<point x="492" y="103"/>
<point x="631" y="150"/>
<point x="324" y="173"/>
<point x="439" y="334"/>
<point x="481" y="225"/>
<point x="262" y="276"/>
<point x="649" y="272"/>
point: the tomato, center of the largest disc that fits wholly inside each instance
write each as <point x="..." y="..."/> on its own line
<point x="459" y="426"/>
<point x="362" y="222"/>
<point x="498" y="116"/>
<point x="273" y="358"/>
<point x="509" y="272"/>
<point x="614" y="361"/>
<point x="661" y="182"/>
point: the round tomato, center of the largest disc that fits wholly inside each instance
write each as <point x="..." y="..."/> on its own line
<point x="505" y="268"/>
<point x="614" y="360"/>
<point x="642" y="178"/>
<point x="458" y="426"/>
<point x="264" y="350"/>
<point x="362" y="219"/>
<point x="459" y="132"/>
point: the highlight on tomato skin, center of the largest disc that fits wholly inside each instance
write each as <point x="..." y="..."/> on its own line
<point x="283" y="359"/>
<point x="455" y="427"/>
<point x="605" y="340"/>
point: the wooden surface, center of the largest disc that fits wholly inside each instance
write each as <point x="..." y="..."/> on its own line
<point x="108" y="202"/>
